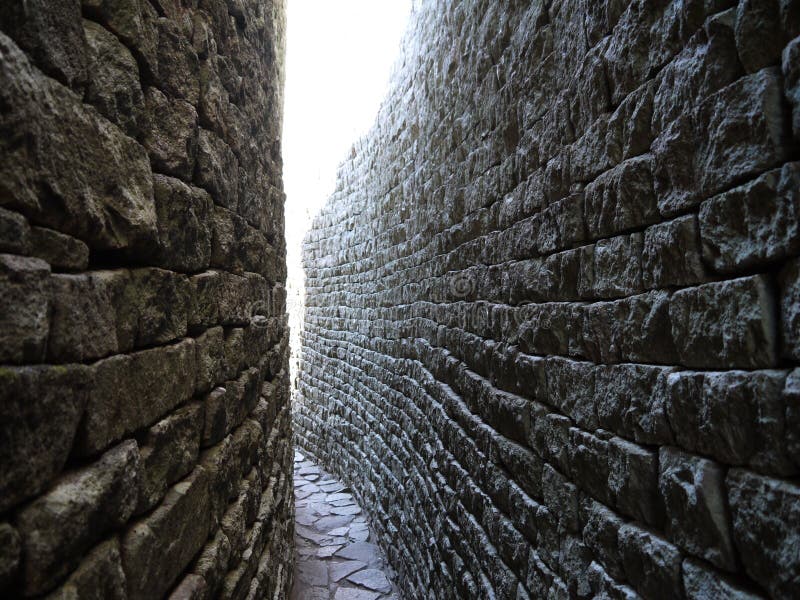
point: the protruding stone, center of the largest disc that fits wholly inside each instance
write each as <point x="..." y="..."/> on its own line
<point x="24" y="323"/>
<point x="84" y="505"/>
<point x="99" y="576"/>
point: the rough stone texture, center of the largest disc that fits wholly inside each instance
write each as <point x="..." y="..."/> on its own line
<point x="114" y="328"/>
<point x="552" y="304"/>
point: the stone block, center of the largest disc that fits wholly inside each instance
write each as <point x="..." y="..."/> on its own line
<point x="169" y="133"/>
<point x="226" y="407"/>
<point x="760" y="34"/>
<point x="588" y="464"/>
<point x="728" y="324"/>
<point x="178" y="68"/>
<point x="99" y="576"/>
<point x="83" y="506"/>
<point x="15" y="233"/>
<point x="83" y="315"/>
<point x="766" y="527"/>
<point x="629" y="404"/>
<point x="151" y="559"/>
<point x="791" y="82"/>
<point x="652" y="565"/>
<point x="48" y="116"/>
<point x="736" y="417"/>
<point x="622" y="198"/>
<point x="671" y="254"/>
<point x="791" y="399"/>
<point x="789" y="282"/>
<point x="50" y="32"/>
<point x="753" y="224"/>
<point x="40" y="409"/>
<point x="237" y="246"/>
<point x="132" y="391"/>
<point x="211" y="362"/>
<point x="153" y="308"/>
<point x="693" y="489"/>
<point x="10" y="556"/>
<point x="60" y="250"/>
<point x="113" y="87"/>
<point x="612" y="268"/>
<point x="600" y="532"/>
<point x="169" y="451"/>
<point x="633" y="481"/>
<point x="217" y="170"/>
<point x="24" y="321"/>
<point x="701" y="582"/>
<point x="183" y="215"/>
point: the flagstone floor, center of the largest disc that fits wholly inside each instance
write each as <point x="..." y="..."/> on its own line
<point x="336" y="555"/>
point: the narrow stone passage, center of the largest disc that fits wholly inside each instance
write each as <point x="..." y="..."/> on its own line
<point x="336" y="554"/>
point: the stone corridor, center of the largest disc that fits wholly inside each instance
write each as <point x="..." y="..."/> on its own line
<point x="336" y="556"/>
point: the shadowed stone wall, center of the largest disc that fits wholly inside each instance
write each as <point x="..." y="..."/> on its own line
<point x="144" y="420"/>
<point x="553" y="306"/>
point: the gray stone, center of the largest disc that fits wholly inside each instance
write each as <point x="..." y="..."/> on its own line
<point x="701" y="582"/>
<point x="83" y="506"/>
<point x="15" y="232"/>
<point x="372" y="579"/>
<point x="753" y="224"/>
<point x="40" y="409"/>
<point x="730" y="324"/>
<point x="339" y="570"/>
<point x="766" y="526"/>
<point x="791" y="399"/>
<point x="633" y="480"/>
<point x="10" y="555"/>
<point x="169" y="451"/>
<point x="671" y="254"/>
<point x="60" y="250"/>
<point x="791" y="81"/>
<point x="652" y="565"/>
<point x="24" y="322"/>
<point x="132" y="391"/>
<point x="99" y="576"/>
<point x="182" y="216"/>
<point x="113" y="87"/>
<point x="170" y="134"/>
<point x="790" y="309"/>
<point x="735" y="417"/>
<point x="49" y="116"/>
<point x="693" y="490"/>
<point x="151" y="559"/>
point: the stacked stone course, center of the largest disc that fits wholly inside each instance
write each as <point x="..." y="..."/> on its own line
<point x="145" y="447"/>
<point x="552" y="325"/>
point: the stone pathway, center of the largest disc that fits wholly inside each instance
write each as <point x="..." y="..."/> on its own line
<point x="336" y="557"/>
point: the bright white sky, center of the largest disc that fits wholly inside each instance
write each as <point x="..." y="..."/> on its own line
<point x="339" y="55"/>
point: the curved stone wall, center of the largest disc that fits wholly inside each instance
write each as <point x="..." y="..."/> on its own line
<point x="552" y="324"/>
<point x="144" y="421"/>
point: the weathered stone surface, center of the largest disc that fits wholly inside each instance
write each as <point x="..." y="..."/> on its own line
<point x="151" y="559"/>
<point x="766" y="526"/>
<point x="10" y="555"/>
<point x="82" y="507"/>
<point x="790" y="310"/>
<point x="113" y="87"/>
<point x="24" y="322"/>
<point x="169" y="451"/>
<point x="170" y="134"/>
<point x="131" y="391"/>
<point x="183" y="216"/>
<point x="217" y="169"/>
<point x="693" y="491"/>
<point x="40" y="408"/>
<point x="736" y="417"/>
<point x="50" y="32"/>
<point x="652" y="565"/>
<point x="791" y="81"/>
<point x="756" y="223"/>
<point x="671" y="254"/>
<point x="700" y="582"/>
<point x="730" y="324"/>
<point x="99" y="576"/>
<point x="69" y="191"/>
<point x="791" y="399"/>
<point x="15" y="232"/>
<point x="60" y="250"/>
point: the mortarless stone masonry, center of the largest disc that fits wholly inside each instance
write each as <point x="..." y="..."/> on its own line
<point x="551" y="327"/>
<point x="145" y="446"/>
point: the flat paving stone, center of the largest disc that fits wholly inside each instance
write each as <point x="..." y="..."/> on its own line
<point x="335" y="557"/>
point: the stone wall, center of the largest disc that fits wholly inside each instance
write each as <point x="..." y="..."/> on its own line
<point x="553" y="306"/>
<point x="144" y="420"/>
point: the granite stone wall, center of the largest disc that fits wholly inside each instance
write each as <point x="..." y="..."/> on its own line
<point x="552" y="325"/>
<point x="145" y="446"/>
